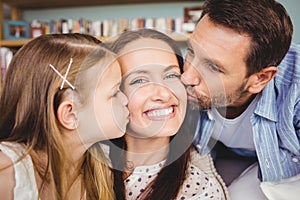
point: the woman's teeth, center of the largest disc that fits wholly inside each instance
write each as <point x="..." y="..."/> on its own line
<point x="160" y="112"/>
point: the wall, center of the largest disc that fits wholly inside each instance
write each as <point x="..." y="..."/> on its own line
<point x="293" y="7"/>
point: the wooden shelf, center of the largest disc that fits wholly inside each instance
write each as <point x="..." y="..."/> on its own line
<point x="32" y="4"/>
<point x="19" y="43"/>
<point x="13" y="43"/>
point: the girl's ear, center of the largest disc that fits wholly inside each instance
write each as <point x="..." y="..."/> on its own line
<point x="66" y="115"/>
<point x="260" y="79"/>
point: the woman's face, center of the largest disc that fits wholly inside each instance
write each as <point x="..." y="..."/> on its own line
<point x="151" y="81"/>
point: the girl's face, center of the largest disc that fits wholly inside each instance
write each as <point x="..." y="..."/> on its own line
<point x="105" y="114"/>
<point x="151" y="81"/>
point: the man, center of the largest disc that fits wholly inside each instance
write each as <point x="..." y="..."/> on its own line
<point x="248" y="96"/>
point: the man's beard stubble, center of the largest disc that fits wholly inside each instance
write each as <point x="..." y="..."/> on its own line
<point x="217" y="101"/>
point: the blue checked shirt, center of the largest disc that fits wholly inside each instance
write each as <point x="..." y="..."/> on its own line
<point x="275" y="121"/>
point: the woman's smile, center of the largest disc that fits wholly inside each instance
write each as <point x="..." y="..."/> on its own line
<point x="159" y="114"/>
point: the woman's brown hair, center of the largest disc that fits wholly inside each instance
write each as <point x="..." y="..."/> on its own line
<point x="170" y="179"/>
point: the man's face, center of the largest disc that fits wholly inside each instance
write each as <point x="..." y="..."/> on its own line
<point x="215" y="69"/>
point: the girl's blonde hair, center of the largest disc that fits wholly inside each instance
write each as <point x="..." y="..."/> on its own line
<point x="29" y="101"/>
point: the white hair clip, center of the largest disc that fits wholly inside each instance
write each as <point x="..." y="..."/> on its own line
<point x="64" y="77"/>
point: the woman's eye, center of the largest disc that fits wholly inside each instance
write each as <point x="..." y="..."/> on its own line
<point x="173" y="75"/>
<point x="137" y="81"/>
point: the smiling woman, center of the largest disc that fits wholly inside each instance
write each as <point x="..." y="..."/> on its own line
<point x="152" y="160"/>
<point x="157" y="97"/>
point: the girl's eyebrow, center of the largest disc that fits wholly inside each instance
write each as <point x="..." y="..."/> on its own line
<point x="117" y="85"/>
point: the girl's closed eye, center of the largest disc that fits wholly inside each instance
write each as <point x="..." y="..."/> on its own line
<point x="116" y="92"/>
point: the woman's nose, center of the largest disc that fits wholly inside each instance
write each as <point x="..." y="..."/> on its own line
<point x="160" y="92"/>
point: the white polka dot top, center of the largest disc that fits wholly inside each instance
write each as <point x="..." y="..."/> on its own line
<point x="198" y="185"/>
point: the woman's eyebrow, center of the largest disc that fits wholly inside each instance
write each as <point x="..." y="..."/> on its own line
<point x="134" y="72"/>
<point x="146" y="72"/>
<point x="171" y="67"/>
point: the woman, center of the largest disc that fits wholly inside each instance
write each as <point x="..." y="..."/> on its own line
<point x="152" y="160"/>
<point x="55" y="106"/>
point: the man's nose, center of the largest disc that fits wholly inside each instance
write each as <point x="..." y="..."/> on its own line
<point x="190" y="75"/>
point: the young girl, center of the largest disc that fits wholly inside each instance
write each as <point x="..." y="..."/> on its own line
<point x="61" y="95"/>
<point x="152" y="161"/>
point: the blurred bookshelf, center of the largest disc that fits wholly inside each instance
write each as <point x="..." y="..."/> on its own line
<point x="106" y="30"/>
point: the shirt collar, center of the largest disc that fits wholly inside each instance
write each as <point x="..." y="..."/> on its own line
<point x="266" y="105"/>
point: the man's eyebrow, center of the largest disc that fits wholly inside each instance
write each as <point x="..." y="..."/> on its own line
<point x="207" y="60"/>
<point x="189" y="45"/>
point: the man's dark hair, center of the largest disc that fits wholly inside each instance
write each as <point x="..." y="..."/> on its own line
<point x="265" y="21"/>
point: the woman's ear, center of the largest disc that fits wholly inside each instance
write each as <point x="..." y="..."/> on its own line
<point x="66" y="115"/>
<point x="260" y="79"/>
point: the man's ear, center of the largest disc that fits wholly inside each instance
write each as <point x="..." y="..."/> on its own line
<point x="260" y="79"/>
<point x="66" y="115"/>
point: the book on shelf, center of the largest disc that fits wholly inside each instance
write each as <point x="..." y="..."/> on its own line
<point x="105" y="27"/>
<point x="6" y="55"/>
<point x="112" y="28"/>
